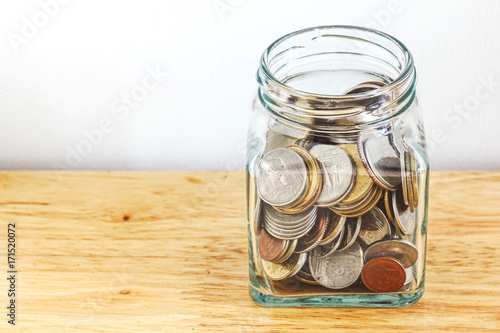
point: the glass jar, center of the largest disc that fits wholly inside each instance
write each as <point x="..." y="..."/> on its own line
<point x="337" y="172"/>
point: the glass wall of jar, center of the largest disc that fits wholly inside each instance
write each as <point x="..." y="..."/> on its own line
<point x="337" y="172"/>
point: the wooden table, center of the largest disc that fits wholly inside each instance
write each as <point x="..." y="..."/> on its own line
<point x="167" y="251"/>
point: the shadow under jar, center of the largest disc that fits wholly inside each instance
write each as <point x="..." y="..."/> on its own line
<point x="337" y="172"/>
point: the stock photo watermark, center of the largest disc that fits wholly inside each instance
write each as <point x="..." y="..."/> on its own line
<point x="223" y="7"/>
<point x="32" y="25"/>
<point x="121" y="107"/>
<point x="11" y="273"/>
<point x="456" y="116"/>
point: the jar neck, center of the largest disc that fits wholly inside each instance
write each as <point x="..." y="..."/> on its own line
<point x="303" y="78"/>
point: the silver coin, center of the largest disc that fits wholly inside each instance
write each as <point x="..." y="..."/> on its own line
<point x="399" y="249"/>
<point x="281" y="177"/>
<point x="338" y="173"/>
<point x="364" y="87"/>
<point x="351" y="231"/>
<point x="288" y="219"/>
<point x="287" y="226"/>
<point x="374" y="227"/>
<point x="381" y="159"/>
<point x="404" y="218"/>
<point x="287" y="233"/>
<point x="325" y="250"/>
<point x="339" y="269"/>
<point x="405" y="177"/>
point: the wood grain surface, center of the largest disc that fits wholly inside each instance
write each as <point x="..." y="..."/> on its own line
<point x="167" y="251"/>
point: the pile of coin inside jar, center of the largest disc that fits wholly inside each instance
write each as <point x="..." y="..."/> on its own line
<point x="334" y="213"/>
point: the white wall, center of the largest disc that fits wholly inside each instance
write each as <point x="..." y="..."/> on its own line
<point x="66" y="78"/>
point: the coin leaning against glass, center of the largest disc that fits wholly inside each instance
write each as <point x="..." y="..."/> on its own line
<point x="322" y="251"/>
<point x="381" y="159"/>
<point x="286" y="269"/>
<point x="383" y="275"/>
<point x="404" y="218"/>
<point x="338" y="173"/>
<point x="402" y="250"/>
<point x="362" y="183"/>
<point x="374" y="227"/>
<point x="281" y="177"/>
<point x="335" y="226"/>
<point x="338" y="270"/>
<point x="271" y="248"/>
<point x="351" y="232"/>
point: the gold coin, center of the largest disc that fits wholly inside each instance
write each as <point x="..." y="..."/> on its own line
<point x="288" y="252"/>
<point x="388" y="206"/>
<point x="279" y="136"/>
<point x="409" y="186"/>
<point x="334" y="227"/>
<point x="315" y="181"/>
<point x="404" y="177"/>
<point x="414" y="178"/>
<point x="363" y="209"/>
<point x="306" y="278"/>
<point x="359" y="203"/>
<point x="286" y="269"/>
<point x="363" y="182"/>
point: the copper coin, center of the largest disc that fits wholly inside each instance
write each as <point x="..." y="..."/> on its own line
<point x="383" y="275"/>
<point x="318" y="230"/>
<point x="270" y="247"/>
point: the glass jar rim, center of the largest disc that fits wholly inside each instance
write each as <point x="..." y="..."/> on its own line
<point x="324" y="111"/>
<point x="264" y="60"/>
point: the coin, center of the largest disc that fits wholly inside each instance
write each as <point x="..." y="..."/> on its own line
<point x="362" y="207"/>
<point x="310" y="240"/>
<point x="288" y="220"/>
<point x="288" y="227"/>
<point x="286" y="269"/>
<point x="271" y="248"/>
<point x="409" y="185"/>
<point x="318" y="230"/>
<point x="388" y="205"/>
<point x="335" y="225"/>
<point x="315" y="181"/>
<point x="292" y="244"/>
<point x="325" y="250"/>
<point x="288" y="234"/>
<point x="351" y="232"/>
<point x="383" y="275"/>
<point x="380" y="159"/>
<point x="305" y="275"/>
<point x="254" y="206"/>
<point x="281" y="177"/>
<point x="402" y="250"/>
<point x="374" y="227"/>
<point x="363" y="182"/>
<point x="280" y="136"/>
<point x="364" y="87"/>
<point x="414" y="177"/>
<point x="403" y="217"/>
<point x="404" y="177"/>
<point x="339" y="269"/>
<point x="337" y="170"/>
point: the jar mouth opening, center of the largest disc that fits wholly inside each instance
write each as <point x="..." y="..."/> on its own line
<point x="307" y="76"/>
<point x="403" y="76"/>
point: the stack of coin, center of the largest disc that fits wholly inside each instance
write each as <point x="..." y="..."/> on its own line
<point x="333" y="212"/>
<point x="409" y="180"/>
<point x="364" y="194"/>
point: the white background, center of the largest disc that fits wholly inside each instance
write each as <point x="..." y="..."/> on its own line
<point x="62" y="76"/>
